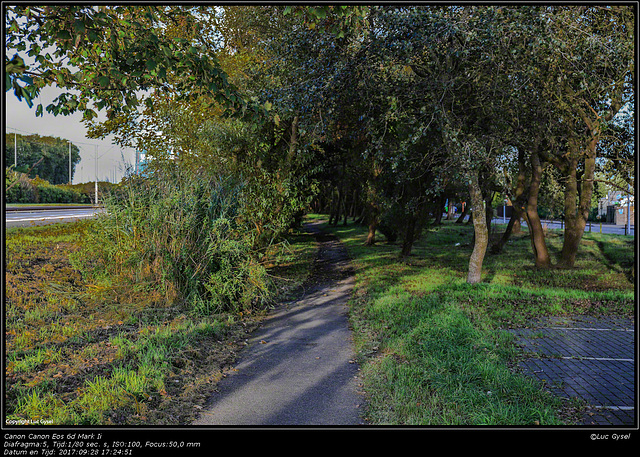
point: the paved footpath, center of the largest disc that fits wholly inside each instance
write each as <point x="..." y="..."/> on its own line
<point x="298" y="368"/>
<point x="588" y="358"/>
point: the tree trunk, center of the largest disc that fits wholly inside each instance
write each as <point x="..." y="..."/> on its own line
<point x="409" y="236"/>
<point x="439" y="211"/>
<point x="481" y="238"/>
<point x="335" y="207"/>
<point x="373" y="225"/>
<point x="538" y="244"/>
<point x="517" y="224"/>
<point x="489" y="212"/>
<point x="576" y="205"/>
<point x="373" y="208"/>
<point x="464" y="213"/>
<point x="450" y="210"/>
<point x="518" y="202"/>
<point x="293" y="141"/>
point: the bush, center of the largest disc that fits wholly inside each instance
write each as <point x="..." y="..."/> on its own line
<point x="181" y="233"/>
<point x="37" y="190"/>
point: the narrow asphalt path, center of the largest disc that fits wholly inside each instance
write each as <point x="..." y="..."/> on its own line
<point x="299" y="367"/>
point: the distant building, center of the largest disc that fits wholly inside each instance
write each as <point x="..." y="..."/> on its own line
<point x="620" y="211"/>
<point x="613" y="208"/>
<point x="605" y="202"/>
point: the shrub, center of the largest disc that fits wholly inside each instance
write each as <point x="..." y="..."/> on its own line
<point x="181" y="234"/>
<point x="37" y="190"/>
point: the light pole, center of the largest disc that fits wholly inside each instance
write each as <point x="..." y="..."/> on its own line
<point x="96" y="185"/>
<point x="504" y="212"/>
<point x="628" y="227"/>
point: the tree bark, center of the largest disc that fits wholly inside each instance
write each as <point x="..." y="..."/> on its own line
<point x="576" y="204"/>
<point x="463" y="214"/>
<point x="538" y="244"/>
<point x="373" y="225"/>
<point x="439" y="211"/>
<point x="293" y="141"/>
<point x="409" y="236"/>
<point x="481" y="238"/>
<point x="518" y="201"/>
<point x="372" y="203"/>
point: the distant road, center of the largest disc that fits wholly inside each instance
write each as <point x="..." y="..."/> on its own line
<point x="29" y="216"/>
<point x="595" y="227"/>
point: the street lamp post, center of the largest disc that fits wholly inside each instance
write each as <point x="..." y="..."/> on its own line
<point x="96" y="182"/>
<point x="504" y="212"/>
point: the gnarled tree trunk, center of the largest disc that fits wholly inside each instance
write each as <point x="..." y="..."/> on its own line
<point x="576" y="204"/>
<point x="538" y="244"/>
<point x="518" y="201"/>
<point x="481" y="238"/>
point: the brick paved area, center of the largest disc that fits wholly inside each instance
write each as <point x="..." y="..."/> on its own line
<point x="589" y="358"/>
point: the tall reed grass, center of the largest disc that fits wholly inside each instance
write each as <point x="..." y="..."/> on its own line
<point x="178" y="236"/>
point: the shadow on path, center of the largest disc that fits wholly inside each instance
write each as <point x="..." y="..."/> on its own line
<point x="298" y="369"/>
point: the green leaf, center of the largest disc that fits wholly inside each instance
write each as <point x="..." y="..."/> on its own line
<point x="103" y="81"/>
<point x="64" y="35"/>
<point x="26" y="78"/>
<point x="151" y="64"/>
<point x="78" y="26"/>
<point x="88" y="114"/>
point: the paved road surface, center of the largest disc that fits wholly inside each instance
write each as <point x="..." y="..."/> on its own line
<point x="25" y="217"/>
<point x="588" y="358"/>
<point x="298" y="368"/>
<point x="607" y="228"/>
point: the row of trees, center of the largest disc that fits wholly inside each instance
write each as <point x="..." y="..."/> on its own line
<point x="44" y="156"/>
<point x="377" y="112"/>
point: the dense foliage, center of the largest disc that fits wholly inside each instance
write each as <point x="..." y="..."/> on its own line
<point x="19" y="188"/>
<point x="186" y="234"/>
<point x="252" y="115"/>
<point x="385" y="114"/>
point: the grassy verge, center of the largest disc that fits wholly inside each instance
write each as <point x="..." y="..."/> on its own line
<point x="81" y="353"/>
<point x="434" y="350"/>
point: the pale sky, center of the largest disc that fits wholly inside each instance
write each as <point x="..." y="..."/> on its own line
<point x="111" y="158"/>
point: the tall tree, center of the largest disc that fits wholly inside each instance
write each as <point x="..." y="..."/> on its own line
<point x="585" y="71"/>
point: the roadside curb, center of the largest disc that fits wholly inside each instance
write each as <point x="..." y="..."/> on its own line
<point x="49" y="208"/>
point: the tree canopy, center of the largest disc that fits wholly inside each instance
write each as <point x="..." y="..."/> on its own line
<point x="380" y="113"/>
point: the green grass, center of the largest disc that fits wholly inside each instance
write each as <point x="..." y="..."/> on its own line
<point x="85" y="353"/>
<point x="434" y="350"/>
